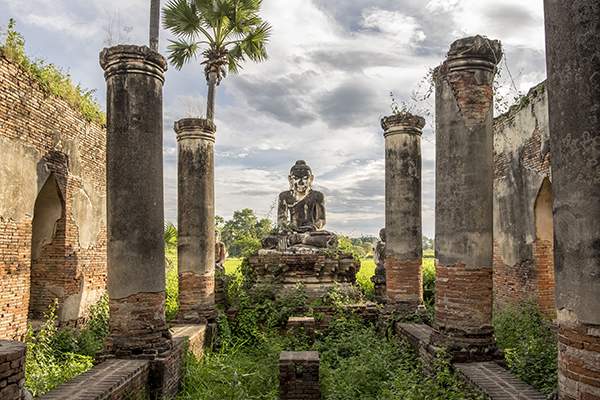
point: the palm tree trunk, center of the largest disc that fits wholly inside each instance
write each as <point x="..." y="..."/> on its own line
<point x="154" y="23"/>
<point x="210" y="101"/>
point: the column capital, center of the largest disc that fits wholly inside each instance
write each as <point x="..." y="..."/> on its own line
<point x="474" y="52"/>
<point x="195" y="128"/>
<point x="402" y="123"/>
<point x="132" y="59"/>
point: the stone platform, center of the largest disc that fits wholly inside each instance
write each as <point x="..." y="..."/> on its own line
<point x="318" y="269"/>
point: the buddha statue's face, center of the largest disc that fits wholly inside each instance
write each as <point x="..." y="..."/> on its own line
<point x="300" y="181"/>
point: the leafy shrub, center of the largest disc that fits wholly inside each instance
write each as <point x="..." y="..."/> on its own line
<point x="531" y="349"/>
<point x="52" y="357"/>
<point x="363" y="278"/>
<point x="429" y="282"/>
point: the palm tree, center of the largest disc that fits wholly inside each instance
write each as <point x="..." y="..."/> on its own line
<point x="227" y="31"/>
<point x="154" y="23"/>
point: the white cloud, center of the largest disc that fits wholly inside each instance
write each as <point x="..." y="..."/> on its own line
<point x="395" y="25"/>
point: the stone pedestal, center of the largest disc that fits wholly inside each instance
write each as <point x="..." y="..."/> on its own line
<point x="463" y="213"/>
<point x="317" y="271"/>
<point x="196" y="219"/>
<point x="572" y="54"/>
<point x="404" y="245"/>
<point x="134" y="180"/>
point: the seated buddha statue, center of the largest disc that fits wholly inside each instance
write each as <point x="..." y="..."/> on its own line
<point x="300" y="213"/>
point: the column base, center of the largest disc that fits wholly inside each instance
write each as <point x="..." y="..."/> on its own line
<point x="138" y="326"/>
<point x="196" y="315"/>
<point x="474" y="345"/>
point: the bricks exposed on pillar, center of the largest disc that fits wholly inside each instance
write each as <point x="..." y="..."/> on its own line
<point x="572" y="51"/>
<point x="12" y="369"/>
<point x="404" y="280"/>
<point x="463" y="305"/>
<point x="299" y="375"/>
<point x="196" y="297"/>
<point x="136" y="270"/>
<point x="403" y="229"/>
<point x="138" y="326"/>
<point x="464" y="199"/>
<point x="196" y="228"/>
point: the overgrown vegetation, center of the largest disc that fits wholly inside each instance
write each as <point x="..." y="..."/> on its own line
<point x="531" y="348"/>
<point x="56" y="356"/>
<point x="50" y="76"/>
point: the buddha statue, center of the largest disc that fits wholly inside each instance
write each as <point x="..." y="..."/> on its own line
<point x="300" y="214"/>
<point x="379" y="279"/>
<point x="220" y="252"/>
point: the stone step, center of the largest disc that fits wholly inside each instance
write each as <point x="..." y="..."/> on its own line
<point x="497" y="382"/>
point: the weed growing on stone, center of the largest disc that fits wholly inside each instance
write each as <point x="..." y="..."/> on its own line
<point x="50" y="76"/>
<point x="531" y="348"/>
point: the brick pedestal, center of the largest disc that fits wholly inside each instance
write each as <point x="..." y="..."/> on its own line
<point x="299" y="375"/>
<point x="12" y="369"/>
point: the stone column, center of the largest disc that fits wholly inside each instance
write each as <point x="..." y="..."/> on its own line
<point x="572" y="54"/>
<point x="134" y="192"/>
<point x="196" y="219"/>
<point x="403" y="243"/>
<point x="463" y="206"/>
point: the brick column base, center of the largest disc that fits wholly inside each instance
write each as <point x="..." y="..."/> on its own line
<point x="463" y="313"/>
<point x="578" y="361"/>
<point x="137" y="326"/>
<point x="196" y="298"/>
<point x="404" y="283"/>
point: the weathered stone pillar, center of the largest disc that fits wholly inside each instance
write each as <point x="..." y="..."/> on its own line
<point x="403" y="243"/>
<point x="463" y="206"/>
<point x="572" y="54"/>
<point x="196" y="219"/>
<point x="134" y="192"/>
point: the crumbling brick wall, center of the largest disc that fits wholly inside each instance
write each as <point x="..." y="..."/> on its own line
<point x="48" y="147"/>
<point x="523" y="248"/>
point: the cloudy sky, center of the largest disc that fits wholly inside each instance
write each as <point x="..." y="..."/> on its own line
<point x="332" y="65"/>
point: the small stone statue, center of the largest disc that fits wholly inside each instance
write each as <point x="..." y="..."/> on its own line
<point x="300" y="214"/>
<point x="378" y="279"/>
<point x="220" y="252"/>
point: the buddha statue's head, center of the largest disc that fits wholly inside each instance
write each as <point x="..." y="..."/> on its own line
<point x="300" y="178"/>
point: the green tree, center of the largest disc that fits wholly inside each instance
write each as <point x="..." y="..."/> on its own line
<point x="170" y="240"/>
<point x="242" y="233"/>
<point x="228" y="31"/>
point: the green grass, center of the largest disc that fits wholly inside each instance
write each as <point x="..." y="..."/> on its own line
<point x="232" y="265"/>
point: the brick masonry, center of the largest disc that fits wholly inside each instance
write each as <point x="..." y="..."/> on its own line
<point x="523" y="253"/>
<point x="318" y="271"/>
<point x="12" y="369"/>
<point x="74" y="150"/>
<point x="404" y="280"/>
<point x="196" y="297"/>
<point x="138" y="325"/>
<point x="531" y="279"/>
<point x="299" y="375"/>
<point x="463" y="312"/>
<point x="578" y="361"/>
